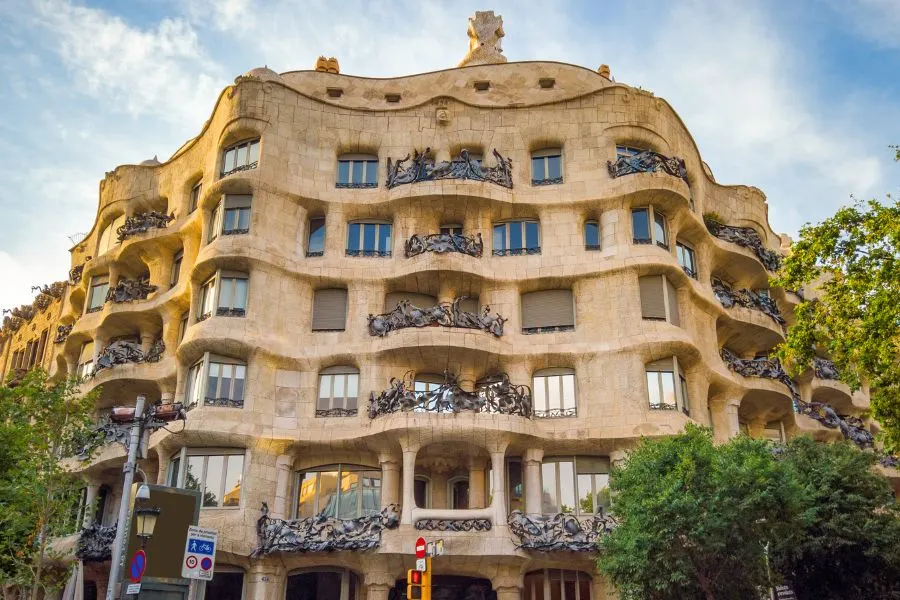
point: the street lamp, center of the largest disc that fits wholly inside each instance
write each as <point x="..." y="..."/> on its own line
<point x="145" y="522"/>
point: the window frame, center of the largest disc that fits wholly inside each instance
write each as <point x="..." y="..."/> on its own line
<point x="251" y="144"/>
<point x="544" y="155"/>
<point x="194" y="196"/>
<point x="90" y="306"/>
<point x="345" y="371"/>
<point x="197" y="382"/>
<point x="317" y="508"/>
<point x="451" y="229"/>
<point x="563" y="410"/>
<point x="683" y="249"/>
<point x="109" y="238"/>
<point x="177" y="262"/>
<point x="180" y="475"/>
<point x="592" y="247"/>
<point x="309" y="233"/>
<point x="652" y="214"/>
<point x="369" y="163"/>
<point x="377" y="252"/>
<point x="84" y="368"/>
<point x="183" y="325"/>
<point x="231" y="276"/>
<point x="239" y="210"/>
<point x="667" y="287"/>
<point x="532" y="591"/>
<point x="507" y="250"/>
<point x="573" y="459"/>
<point x="679" y="385"/>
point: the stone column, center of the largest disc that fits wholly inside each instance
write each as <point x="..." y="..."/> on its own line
<point x="498" y="502"/>
<point x="507" y="585"/>
<point x="734" y="422"/>
<point x="476" y="482"/>
<point x="508" y="593"/>
<point x="164" y="460"/>
<point x="265" y="581"/>
<point x="531" y="462"/>
<point x="283" y="465"/>
<point x="390" y="480"/>
<point x="377" y="580"/>
<point x="89" y="499"/>
<point x="146" y="341"/>
<point x="409" y="484"/>
<point x="757" y="427"/>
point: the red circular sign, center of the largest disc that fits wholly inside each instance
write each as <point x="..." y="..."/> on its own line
<point x="191" y="562"/>
<point x="420" y="548"/>
<point x="138" y="566"/>
<point x="206" y="563"/>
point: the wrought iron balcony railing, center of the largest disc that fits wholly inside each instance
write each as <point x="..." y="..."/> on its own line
<point x="122" y="352"/>
<point x="745" y="237"/>
<point x="142" y="223"/>
<point x="246" y="167"/>
<point x="729" y="297"/>
<point x="370" y="253"/>
<point x="441" y="243"/>
<point x="559" y="532"/>
<point x="464" y="167"/>
<point x="129" y="290"/>
<point x="443" y="314"/>
<point x="825" y="369"/>
<point x="95" y="543"/>
<point x="647" y="162"/>
<point x="516" y="251"/>
<point x="453" y="525"/>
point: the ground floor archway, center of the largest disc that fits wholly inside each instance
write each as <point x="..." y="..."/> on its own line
<point x="451" y="587"/>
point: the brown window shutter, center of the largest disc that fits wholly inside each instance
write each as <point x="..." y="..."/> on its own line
<point x="238" y="201"/>
<point x="548" y="308"/>
<point x="329" y="310"/>
<point x="419" y="300"/>
<point x="653" y="304"/>
<point x="674" y="319"/>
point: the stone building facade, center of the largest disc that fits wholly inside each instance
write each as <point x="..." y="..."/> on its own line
<point x="439" y="305"/>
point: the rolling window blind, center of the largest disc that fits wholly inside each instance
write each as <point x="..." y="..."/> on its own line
<point x="329" y="310"/>
<point x="548" y="308"/>
<point x="653" y="304"/>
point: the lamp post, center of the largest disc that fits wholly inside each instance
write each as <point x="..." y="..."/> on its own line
<point x="144" y="516"/>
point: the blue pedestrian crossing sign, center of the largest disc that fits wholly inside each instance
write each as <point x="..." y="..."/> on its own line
<point x="199" y="553"/>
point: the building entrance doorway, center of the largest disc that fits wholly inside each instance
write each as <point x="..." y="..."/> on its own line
<point x="451" y="587"/>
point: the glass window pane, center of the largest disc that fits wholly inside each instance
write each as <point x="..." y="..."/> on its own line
<point x="325" y="386"/>
<point x="234" y="472"/>
<point x="316" y="235"/>
<point x="601" y="485"/>
<point x="532" y="234"/>
<point x="371" y="491"/>
<point x="230" y="221"/>
<point x="172" y="473"/>
<point x="212" y="381"/>
<point x="384" y="237"/>
<point x="500" y="236"/>
<point x="306" y="495"/>
<point x="591" y="234"/>
<point x="668" y="388"/>
<point x="372" y="172"/>
<point x="237" y="390"/>
<point x="358" y="166"/>
<point x="353" y="237"/>
<point x="568" y="383"/>
<point x="226" y="293"/>
<point x="554" y="167"/>
<point x="193" y="472"/>
<point x="659" y="231"/>
<point x="369" y="236"/>
<point x="328" y="493"/>
<point x="243" y="218"/>
<point x="352" y="385"/>
<point x="225" y="381"/>
<point x="228" y="163"/>
<point x="585" y="495"/>
<point x="516" y="489"/>
<point x="343" y="171"/>
<point x="553" y="389"/>
<point x="566" y="486"/>
<point x="240" y="293"/>
<point x="349" y="496"/>
<point x="540" y="393"/>
<point x="640" y="224"/>
<point x="653" y="388"/>
<point x="213" y="482"/>
<point x="254" y="152"/>
<point x="420" y="493"/>
<point x="339" y="386"/>
<point x="241" y="159"/>
<point x="537" y="169"/>
<point x="549" y="501"/>
<point x="515" y="235"/>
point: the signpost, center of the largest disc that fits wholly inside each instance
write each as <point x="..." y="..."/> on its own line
<point x="199" y="553"/>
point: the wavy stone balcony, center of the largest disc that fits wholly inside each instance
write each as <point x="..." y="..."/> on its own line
<point x="745" y="237"/>
<point x="647" y="162"/>
<point x="142" y="223"/>
<point x="753" y="300"/>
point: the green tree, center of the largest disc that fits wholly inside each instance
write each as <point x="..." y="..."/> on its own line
<point x="854" y="257"/>
<point x="847" y="544"/>
<point x="694" y="519"/>
<point x="41" y="422"/>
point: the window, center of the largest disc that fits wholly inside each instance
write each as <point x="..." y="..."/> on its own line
<point x="315" y="245"/>
<point x="236" y="219"/>
<point x="207" y="298"/>
<point x="195" y="197"/>
<point x="216" y="381"/>
<point x="664" y="392"/>
<point x="338" y="392"/>
<point x="459" y="493"/>
<point x="393" y="299"/>
<point x="774" y="432"/>
<point x="547" y="311"/>
<point x="424" y="385"/>
<point x="214" y="222"/>
<point x="357" y="171"/>
<point x="578" y="485"/>
<point x="227" y="584"/>
<point x="216" y="473"/>
<point x="323" y="584"/>
<point x="554" y="393"/>
<point x="557" y="584"/>
<point x="546" y="167"/>
<point x="232" y="294"/>
<point x="452" y="229"/>
<point x="686" y="259"/>
<point x="182" y="325"/>
<point x="240" y="157"/>
<point x="514" y="238"/>
<point x="109" y="237"/>
<point x="628" y="151"/>
<point x="329" y="310"/>
<point x="591" y="235"/>
<point x="176" y="267"/>
<point x="649" y="226"/>
<point x="659" y="301"/>
<point x="97" y="293"/>
<point x="369" y="239"/>
<point x="339" y="491"/>
<point x="422" y="492"/>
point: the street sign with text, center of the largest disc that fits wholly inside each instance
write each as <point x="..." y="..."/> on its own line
<point x="199" y="553"/>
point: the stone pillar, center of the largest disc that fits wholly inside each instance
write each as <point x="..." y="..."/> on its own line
<point x="100" y="343"/>
<point x="264" y="582"/>
<point x="498" y="502"/>
<point x="89" y="499"/>
<point x="507" y="585"/>
<point x="476" y="482"/>
<point x="757" y="427"/>
<point x="409" y="485"/>
<point x="283" y="466"/>
<point x="146" y="341"/>
<point x="439" y="497"/>
<point x="164" y="460"/>
<point x="377" y="581"/>
<point x="734" y="422"/>
<point x="531" y="462"/>
<point x="508" y="593"/>
<point x="390" y="480"/>
<point x="377" y="591"/>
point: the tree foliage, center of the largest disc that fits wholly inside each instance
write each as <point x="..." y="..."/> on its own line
<point x="40" y="424"/>
<point x="854" y="256"/>
<point x="694" y="519"/>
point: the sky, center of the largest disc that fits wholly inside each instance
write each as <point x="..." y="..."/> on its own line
<point x="800" y="99"/>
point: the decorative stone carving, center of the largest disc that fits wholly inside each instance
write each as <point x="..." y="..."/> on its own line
<point x="75" y="274"/>
<point x="453" y="525"/>
<point x="441" y="243"/>
<point x="129" y="290"/>
<point x="647" y="162"/>
<point x="485" y="32"/>
<point x="321" y="533"/>
<point x="423" y="168"/>
<point x="62" y="332"/>
<point x="95" y="543"/>
<point x="144" y="222"/>
<point x="753" y="300"/>
<point x="494" y="394"/>
<point x="825" y="369"/>
<point x="747" y="238"/>
<point x="560" y="531"/>
<point x="11" y="324"/>
<point x="446" y="315"/>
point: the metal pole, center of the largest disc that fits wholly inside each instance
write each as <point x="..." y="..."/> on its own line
<point x="115" y="563"/>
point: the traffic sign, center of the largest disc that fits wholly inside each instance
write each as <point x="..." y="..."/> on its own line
<point x="420" y="564"/>
<point x="138" y="566"/>
<point x="435" y="548"/>
<point x="133" y="588"/>
<point x="420" y="548"/>
<point x="199" y="553"/>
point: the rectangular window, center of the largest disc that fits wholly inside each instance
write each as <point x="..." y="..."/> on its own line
<point x="686" y="259"/>
<point x="236" y="219"/>
<point x="648" y="226"/>
<point x="369" y="239"/>
<point x="329" y="310"/>
<point x="578" y="485"/>
<point x="591" y="235"/>
<point x="659" y="300"/>
<point x="182" y="326"/>
<point x="240" y="157"/>
<point x="176" y="267"/>
<point x="207" y="299"/>
<point x="225" y="384"/>
<point x="659" y="230"/>
<point x="86" y="360"/>
<point x="451" y="229"/>
<point x="341" y="491"/>
<point x="628" y="151"/>
<point x="315" y="245"/>
<point x="546" y="167"/>
<point x="547" y="311"/>
<point x="514" y="238"/>
<point x="554" y="393"/>
<point x="215" y="222"/>
<point x="97" y="293"/>
<point x="664" y="393"/>
<point x="338" y="394"/>
<point x="195" y="197"/>
<point x="232" y="295"/>
<point x="218" y="476"/>
<point x="359" y="172"/>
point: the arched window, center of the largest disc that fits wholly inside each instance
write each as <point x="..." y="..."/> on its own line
<point x="338" y="392"/>
<point x="422" y="491"/>
<point x="554" y="393"/>
<point x="339" y="491"/>
<point x="546" y="166"/>
<point x="559" y="584"/>
<point x="665" y="390"/>
<point x="323" y="583"/>
<point x="357" y="171"/>
<point x="459" y="493"/>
